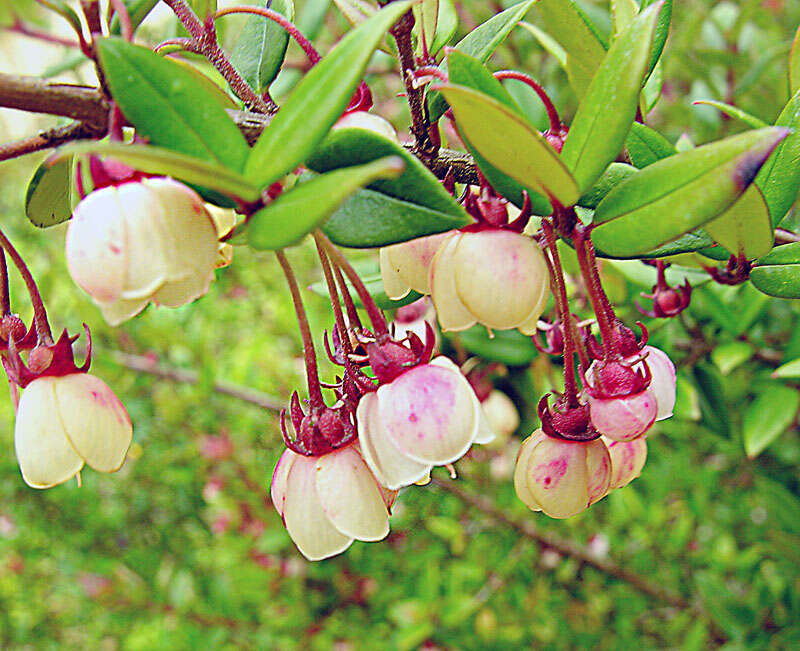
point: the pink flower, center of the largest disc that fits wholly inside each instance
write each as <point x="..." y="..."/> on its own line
<point x="627" y="460"/>
<point x="663" y="380"/>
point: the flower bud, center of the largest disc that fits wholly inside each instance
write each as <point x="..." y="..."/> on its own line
<point x="663" y="380"/>
<point x="428" y="416"/>
<point x="494" y="277"/>
<point x="66" y="421"/>
<point x="561" y="478"/>
<point x="624" y="418"/>
<point x="627" y="460"/>
<point x="328" y="501"/>
<point x="143" y="241"/>
<point x="405" y="266"/>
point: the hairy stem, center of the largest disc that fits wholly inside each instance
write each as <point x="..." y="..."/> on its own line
<point x="594" y="290"/>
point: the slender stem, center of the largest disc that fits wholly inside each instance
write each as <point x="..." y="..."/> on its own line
<point x="352" y="313"/>
<point x="552" y="113"/>
<point x="289" y="26"/>
<point x="126" y="27"/>
<point x="39" y="312"/>
<point x="47" y="139"/>
<point x="187" y="17"/>
<point x="591" y="281"/>
<point x="19" y="27"/>
<point x="5" y="298"/>
<point x="373" y="311"/>
<point x="334" y="294"/>
<point x="312" y="374"/>
<point x="597" y="283"/>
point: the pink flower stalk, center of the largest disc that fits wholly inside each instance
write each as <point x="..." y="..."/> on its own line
<point x="328" y="501"/>
<point x="427" y="416"/>
<point x="627" y="460"/>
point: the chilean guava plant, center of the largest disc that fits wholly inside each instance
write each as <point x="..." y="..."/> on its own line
<point x="505" y="225"/>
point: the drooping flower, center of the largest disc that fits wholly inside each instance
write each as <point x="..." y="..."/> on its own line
<point x="328" y="501"/>
<point x="406" y="266"/>
<point x="627" y="460"/>
<point x="663" y="380"/>
<point x="151" y="240"/>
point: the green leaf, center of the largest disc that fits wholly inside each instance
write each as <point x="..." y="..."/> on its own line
<point x="661" y="33"/>
<point x="356" y="11"/>
<point x="565" y="21"/>
<point x="445" y="27"/>
<point x="768" y="416"/>
<point x="794" y="64"/>
<point x="512" y="145"/>
<point x="318" y="100"/>
<point x="711" y="391"/>
<point x="169" y="106"/>
<point x="550" y="45"/>
<point x="261" y="47"/>
<point x="155" y="160"/>
<point x="778" y="272"/>
<point x="203" y="8"/>
<point x="730" y="355"/>
<point x="733" y="112"/>
<point x="370" y="275"/>
<point x="48" y="199"/>
<point x="426" y="15"/>
<point x="137" y="10"/>
<point x="509" y="347"/>
<point x="680" y="193"/>
<point x="300" y="210"/>
<point x="369" y="219"/>
<point x="622" y="13"/>
<point x="615" y="174"/>
<point x="480" y="43"/>
<point x="353" y="146"/>
<point x="745" y="226"/>
<point x="647" y="146"/>
<point x="790" y="370"/>
<point x="779" y="179"/>
<point x="608" y="108"/>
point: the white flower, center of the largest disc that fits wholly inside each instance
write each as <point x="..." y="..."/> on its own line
<point x="627" y="460"/>
<point x="139" y="242"/>
<point x="64" y="422"/>
<point x="405" y="266"/>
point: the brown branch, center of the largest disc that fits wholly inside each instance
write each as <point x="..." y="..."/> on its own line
<point x="47" y="139"/>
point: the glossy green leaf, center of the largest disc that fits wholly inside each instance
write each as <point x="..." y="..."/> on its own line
<point x="790" y="370"/>
<point x="622" y="14"/>
<point x="369" y="219"/>
<point x="734" y="112"/>
<point x="680" y="193"/>
<point x="744" y="227"/>
<point x="651" y="91"/>
<point x="480" y="43"/>
<point x="615" y="174"/>
<point x="261" y="47"/>
<point x="445" y="27"/>
<point x="48" y="199"/>
<point x="508" y="187"/>
<point x="778" y="272"/>
<point x="779" y="179"/>
<point x="550" y="45"/>
<point x="169" y="106"/>
<point x="609" y="106"/>
<point x="646" y="145"/>
<point x="353" y="146"/>
<point x="318" y="100"/>
<point x="300" y="210"/>
<point x="794" y="64"/>
<point x="426" y="15"/>
<point x="155" y="160"/>
<point x="768" y="416"/>
<point x="730" y="355"/>
<point x="509" y="347"/>
<point x="661" y="33"/>
<point x="512" y="145"/>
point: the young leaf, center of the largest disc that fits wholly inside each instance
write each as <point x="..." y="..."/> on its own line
<point x="155" y="160"/>
<point x="661" y="33"/>
<point x="426" y="15"/>
<point x="608" y="108"/>
<point x="48" y="197"/>
<point x="680" y="193"/>
<point x="512" y="145"/>
<point x="622" y="13"/>
<point x="646" y="146"/>
<point x="768" y="416"/>
<point x="550" y="45"/>
<point x="745" y="226"/>
<point x="779" y="179"/>
<point x="169" y="106"/>
<point x="790" y="370"/>
<point x="369" y="219"/>
<point x="615" y="174"/>
<point x="734" y="112"/>
<point x="352" y="146"/>
<point x="304" y="207"/>
<point x="137" y="10"/>
<point x="318" y="100"/>
<point x="480" y="43"/>
<point x="778" y="272"/>
<point x="445" y="27"/>
<point x="261" y="47"/>
<point x="794" y="64"/>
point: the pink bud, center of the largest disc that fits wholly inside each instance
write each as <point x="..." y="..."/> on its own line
<point x="663" y="380"/>
<point x="627" y="460"/>
<point x="561" y="478"/>
<point x="405" y="266"/>
<point x="624" y="418"/>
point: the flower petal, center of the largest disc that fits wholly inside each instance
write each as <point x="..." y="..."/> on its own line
<point x="181" y="292"/>
<point x="627" y="460"/>
<point x="532" y="322"/>
<point x="45" y="455"/>
<point x="391" y="467"/>
<point x="452" y="313"/>
<point x="521" y="470"/>
<point x="277" y="487"/>
<point x="121" y="310"/>
<point x="394" y="286"/>
<point x="350" y="496"/>
<point x="96" y="422"/>
<point x="598" y="470"/>
<point x="306" y="522"/>
<point x="556" y="477"/>
<point x="412" y="260"/>
<point x="624" y="419"/>
<point x="484" y="433"/>
<point x="663" y="383"/>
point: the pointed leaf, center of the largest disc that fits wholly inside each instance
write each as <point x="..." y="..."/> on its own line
<point x="261" y="47"/>
<point x="778" y="272"/>
<point x="622" y="14"/>
<point x="734" y="112"/>
<point x="304" y="207"/>
<point x="512" y="145"/>
<point x="680" y="193"/>
<point x="318" y="100"/>
<point x="789" y="370"/>
<point x="646" y="146"/>
<point x="615" y="174"/>
<point x="661" y="33"/>
<point x="768" y="416"/>
<point x="169" y="106"/>
<point x="744" y="227"/>
<point x="445" y="27"/>
<point x="550" y="45"/>
<point x="426" y="15"/>
<point x="794" y="64"/>
<point x="608" y="108"/>
<point x="48" y="199"/>
<point x="480" y="43"/>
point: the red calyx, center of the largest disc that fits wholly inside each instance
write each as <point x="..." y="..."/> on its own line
<point x="566" y="423"/>
<point x="667" y="301"/>
<point x="628" y="344"/>
<point x="320" y="431"/>
<point x="617" y="379"/>
<point x="389" y="358"/>
<point x="54" y="359"/>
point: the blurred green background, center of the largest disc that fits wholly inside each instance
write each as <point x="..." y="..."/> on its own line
<point x="182" y="548"/>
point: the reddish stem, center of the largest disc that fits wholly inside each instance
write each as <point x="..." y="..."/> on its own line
<point x="5" y="299"/>
<point x="552" y="113"/>
<point x="594" y="289"/>
<point x="334" y="294"/>
<point x="126" y="27"/>
<point x="19" y="28"/>
<point x="352" y="313"/>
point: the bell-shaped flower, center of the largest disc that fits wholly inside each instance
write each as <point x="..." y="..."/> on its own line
<point x="559" y="477"/>
<point x="627" y="460"/>
<point x="495" y="277"/>
<point x="405" y="266"/>
<point x="663" y="380"/>
<point x="64" y="422"/>
<point x="328" y="501"/>
<point x="427" y="416"/>
<point x="502" y="415"/>
<point x="151" y="240"/>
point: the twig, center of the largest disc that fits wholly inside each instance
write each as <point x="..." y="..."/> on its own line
<point x="46" y="139"/>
